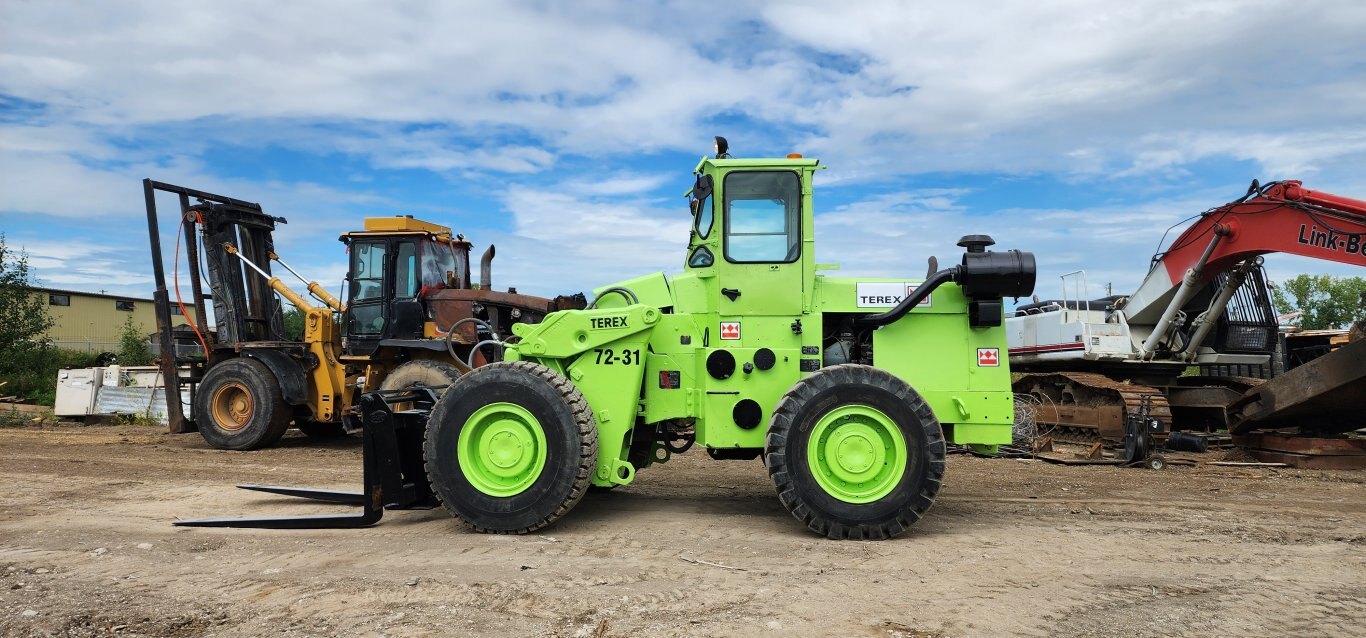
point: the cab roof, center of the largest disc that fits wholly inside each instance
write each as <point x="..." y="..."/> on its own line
<point x="401" y="225"/>
<point x="761" y="162"/>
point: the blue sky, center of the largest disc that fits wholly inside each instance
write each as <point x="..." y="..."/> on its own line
<point x="563" y="132"/>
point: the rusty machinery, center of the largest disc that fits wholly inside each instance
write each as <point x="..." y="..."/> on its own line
<point x="411" y="316"/>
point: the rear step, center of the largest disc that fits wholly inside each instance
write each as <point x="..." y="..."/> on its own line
<point x="393" y="476"/>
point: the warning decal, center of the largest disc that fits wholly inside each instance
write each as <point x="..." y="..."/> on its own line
<point x="989" y="357"/>
<point x="730" y="330"/>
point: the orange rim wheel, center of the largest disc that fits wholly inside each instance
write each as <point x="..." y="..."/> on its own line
<point x="232" y="406"/>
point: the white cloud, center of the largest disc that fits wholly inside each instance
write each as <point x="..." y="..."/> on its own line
<point x="1063" y="85"/>
<point x="1141" y="94"/>
<point x="879" y="88"/>
<point x="563" y="242"/>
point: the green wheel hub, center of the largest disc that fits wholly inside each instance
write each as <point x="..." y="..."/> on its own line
<point x="856" y="454"/>
<point x="502" y="449"/>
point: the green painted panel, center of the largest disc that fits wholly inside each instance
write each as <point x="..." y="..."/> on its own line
<point x="694" y="293"/>
<point x="717" y="427"/>
<point x="944" y="359"/>
<point x="610" y="379"/>
<point x="572" y="332"/>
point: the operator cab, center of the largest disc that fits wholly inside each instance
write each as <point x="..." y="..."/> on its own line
<point x="394" y="263"/>
<point x="751" y="218"/>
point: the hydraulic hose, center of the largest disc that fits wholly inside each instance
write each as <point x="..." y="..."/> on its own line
<point x="450" y="345"/>
<point x="624" y="292"/>
<point x="475" y="350"/>
<point x="921" y="292"/>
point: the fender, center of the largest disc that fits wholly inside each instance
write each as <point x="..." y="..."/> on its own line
<point x="287" y="370"/>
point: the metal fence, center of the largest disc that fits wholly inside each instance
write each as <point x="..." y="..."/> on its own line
<point x="87" y="345"/>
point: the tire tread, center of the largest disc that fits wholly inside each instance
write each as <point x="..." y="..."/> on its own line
<point x="583" y="421"/>
<point x="785" y="415"/>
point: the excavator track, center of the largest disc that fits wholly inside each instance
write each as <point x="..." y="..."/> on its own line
<point x="1085" y="407"/>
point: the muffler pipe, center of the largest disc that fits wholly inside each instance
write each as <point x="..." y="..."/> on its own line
<point x="486" y="269"/>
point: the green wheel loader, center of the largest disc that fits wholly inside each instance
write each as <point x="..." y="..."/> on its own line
<point x="848" y="389"/>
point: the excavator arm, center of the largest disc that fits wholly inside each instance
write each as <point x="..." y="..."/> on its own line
<point x="1279" y="217"/>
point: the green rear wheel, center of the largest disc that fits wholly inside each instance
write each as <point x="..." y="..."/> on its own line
<point x="511" y="447"/>
<point x="855" y="452"/>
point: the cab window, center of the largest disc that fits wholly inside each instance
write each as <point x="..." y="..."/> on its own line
<point x="367" y="288"/>
<point x="762" y="216"/>
<point x="405" y="271"/>
<point x="705" y="217"/>
<point x="438" y="261"/>
<point x="367" y="271"/>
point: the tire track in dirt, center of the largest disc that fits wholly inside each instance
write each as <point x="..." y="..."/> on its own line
<point x="1081" y="557"/>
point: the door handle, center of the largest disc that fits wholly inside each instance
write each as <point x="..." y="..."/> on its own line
<point x="731" y="293"/>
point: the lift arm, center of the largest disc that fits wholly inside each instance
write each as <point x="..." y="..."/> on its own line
<point x="313" y="287"/>
<point x="275" y="283"/>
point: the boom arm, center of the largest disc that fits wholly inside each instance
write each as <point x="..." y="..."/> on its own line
<point x="1281" y="217"/>
<point x="313" y="287"/>
<point x="274" y="283"/>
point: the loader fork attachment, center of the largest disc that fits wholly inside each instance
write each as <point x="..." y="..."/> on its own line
<point x="393" y="475"/>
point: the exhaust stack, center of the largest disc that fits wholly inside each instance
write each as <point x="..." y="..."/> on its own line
<point x="486" y="269"/>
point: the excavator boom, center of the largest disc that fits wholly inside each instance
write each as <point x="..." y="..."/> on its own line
<point x="1280" y="217"/>
<point x="1204" y="302"/>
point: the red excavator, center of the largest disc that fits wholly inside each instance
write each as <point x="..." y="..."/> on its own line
<point x="1095" y="362"/>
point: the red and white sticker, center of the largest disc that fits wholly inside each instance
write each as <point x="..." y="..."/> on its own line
<point x="989" y="357"/>
<point x="730" y="330"/>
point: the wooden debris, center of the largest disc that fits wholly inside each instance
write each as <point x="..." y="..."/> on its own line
<point x="1311" y="461"/>
<point x="1066" y="461"/>
<point x="1316" y="445"/>
<point x="703" y="562"/>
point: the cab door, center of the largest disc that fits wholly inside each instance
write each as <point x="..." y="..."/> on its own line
<point x="753" y="354"/>
<point x="761" y="271"/>
<point x="368" y="302"/>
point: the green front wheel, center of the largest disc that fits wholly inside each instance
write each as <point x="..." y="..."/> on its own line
<point x="502" y="449"/>
<point x="511" y="447"/>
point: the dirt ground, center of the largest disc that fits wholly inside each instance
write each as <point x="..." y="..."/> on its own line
<point x="694" y="548"/>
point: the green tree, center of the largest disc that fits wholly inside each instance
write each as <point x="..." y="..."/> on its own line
<point x="1327" y="302"/>
<point x="294" y="324"/>
<point x="134" y="347"/>
<point x="25" y="353"/>
<point x="23" y="313"/>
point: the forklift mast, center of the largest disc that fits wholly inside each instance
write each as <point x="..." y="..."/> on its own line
<point x="245" y="309"/>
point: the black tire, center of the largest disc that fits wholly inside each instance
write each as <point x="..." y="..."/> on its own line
<point x="571" y="447"/>
<point x="421" y="372"/>
<point x="790" y="430"/>
<point x="320" y="429"/>
<point x="238" y="406"/>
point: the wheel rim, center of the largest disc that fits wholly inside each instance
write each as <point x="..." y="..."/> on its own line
<point x="856" y="454"/>
<point x="232" y="406"/>
<point x="502" y="449"/>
